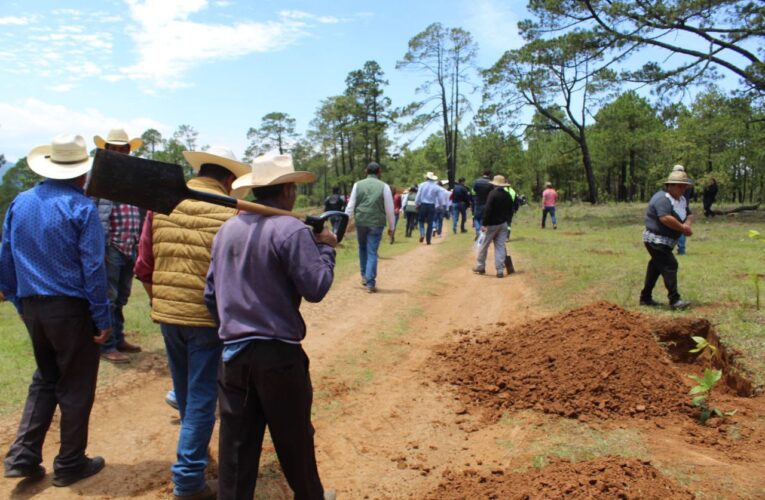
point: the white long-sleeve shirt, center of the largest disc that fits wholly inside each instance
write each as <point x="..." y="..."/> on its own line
<point x="387" y="202"/>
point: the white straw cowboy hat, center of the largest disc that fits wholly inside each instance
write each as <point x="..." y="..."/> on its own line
<point x="678" y="177"/>
<point x="223" y="157"/>
<point x="431" y="176"/>
<point x="118" y="137"/>
<point x="678" y="168"/>
<point x="499" y="181"/>
<point x="272" y="169"/>
<point x="64" y="158"/>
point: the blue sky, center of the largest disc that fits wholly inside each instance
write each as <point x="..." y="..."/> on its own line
<point x="218" y="65"/>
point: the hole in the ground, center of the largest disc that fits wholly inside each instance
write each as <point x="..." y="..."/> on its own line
<point x="675" y="335"/>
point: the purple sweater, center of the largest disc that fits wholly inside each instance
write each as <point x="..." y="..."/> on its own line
<point x="260" y="270"/>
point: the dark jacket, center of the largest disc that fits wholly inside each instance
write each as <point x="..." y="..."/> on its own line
<point x="482" y="187"/>
<point x="461" y="195"/>
<point x="499" y="208"/>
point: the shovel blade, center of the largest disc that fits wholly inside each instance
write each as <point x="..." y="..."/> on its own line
<point x="152" y="185"/>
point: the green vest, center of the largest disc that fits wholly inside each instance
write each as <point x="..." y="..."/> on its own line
<point x="370" y="208"/>
<point x="511" y="192"/>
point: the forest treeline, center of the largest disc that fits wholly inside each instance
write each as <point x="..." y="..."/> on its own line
<point x="571" y="106"/>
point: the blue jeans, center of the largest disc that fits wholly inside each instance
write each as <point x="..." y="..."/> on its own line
<point x="551" y="211"/>
<point x="439" y="223"/>
<point x="119" y="275"/>
<point x="369" y="242"/>
<point x="681" y="245"/>
<point x="478" y="218"/>
<point x="427" y="211"/>
<point x="459" y="208"/>
<point x="193" y="353"/>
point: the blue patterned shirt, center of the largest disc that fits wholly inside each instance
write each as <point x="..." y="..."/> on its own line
<point x="53" y="245"/>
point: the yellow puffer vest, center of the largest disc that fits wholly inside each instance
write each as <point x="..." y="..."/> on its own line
<point x="181" y="244"/>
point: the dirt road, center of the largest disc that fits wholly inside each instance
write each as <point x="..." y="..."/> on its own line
<point x="382" y="428"/>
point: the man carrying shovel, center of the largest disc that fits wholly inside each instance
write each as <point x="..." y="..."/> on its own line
<point x="261" y="269"/>
<point x="173" y="258"/>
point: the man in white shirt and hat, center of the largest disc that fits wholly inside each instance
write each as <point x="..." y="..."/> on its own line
<point x="426" y="200"/>
<point x="122" y="225"/>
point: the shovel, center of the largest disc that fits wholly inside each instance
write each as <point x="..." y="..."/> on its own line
<point x="160" y="187"/>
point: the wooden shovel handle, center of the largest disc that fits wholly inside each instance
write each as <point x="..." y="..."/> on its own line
<point x="257" y="208"/>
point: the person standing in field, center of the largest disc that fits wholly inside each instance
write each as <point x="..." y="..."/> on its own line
<point x="52" y="269"/>
<point x="667" y="217"/>
<point x="371" y="203"/>
<point x="426" y="199"/>
<point x="460" y="204"/>
<point x="122" y="225"/>
<point x="334" y="202"/>
<point x="172" y="264"/>
<point x="549" y="200"/>
<point x="497" y="213"/>
<point x="709" y="196"/>
<point x="262" y="267"/>
<point x="481" y="189"/>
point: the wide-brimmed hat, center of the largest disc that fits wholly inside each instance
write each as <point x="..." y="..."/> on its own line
<point x="431" y="176"/>
<point x="64" y="158"/>
<point x="118" y="137"/>
<point x="548" y="184"/>
<point x="678" y="168"/>
<point x="272" y="169"/>
<point x="678" y="177"/>
<point x="499" y="180"/>
<point x="217" y="155"/>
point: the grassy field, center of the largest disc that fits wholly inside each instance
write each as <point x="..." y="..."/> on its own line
<point x="597" y="254"/>
<point x="17" y="362"/>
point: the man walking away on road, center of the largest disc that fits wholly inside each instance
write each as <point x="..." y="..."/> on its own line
<point x="122" y="225"/>
<point x="549" y="199"/>
<point x="426" y="199"/>
<point x="460" y="204"/>
<point x="371" y="203"/>
<point x="52" y="269"/>
<point x="481" y="189"/>
<point x="172" y="264"/>
<point x="666" y="219"/>
<point x="261" y="269"/>
<point x="498" y="211"/>
<point x="442" y="208"/>
<point x="410" y="210"/>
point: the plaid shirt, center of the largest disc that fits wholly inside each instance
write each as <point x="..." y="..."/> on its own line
<point x="657" y="239"/>
<point x="124" y="228"/>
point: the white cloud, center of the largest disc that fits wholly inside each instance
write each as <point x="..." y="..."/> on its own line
<point x="62" y="87"/>
<point x="223" y="3"/>
<point x="15" y="21"/>
<point x="169" y="43"/>
<point x="494" y="25"/>
<point x="35" y="122"/>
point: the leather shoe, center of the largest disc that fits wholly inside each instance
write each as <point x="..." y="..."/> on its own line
<point x="478" y="271"/>
<point x="679" y="304"/>
<point x="92" y="467"/>
<point x="30" y="472"/>
<point x="209" y="492"/>
<point x="126" y="346"/>
<point x="115" y="357"/>
<point x="649" y="303"/>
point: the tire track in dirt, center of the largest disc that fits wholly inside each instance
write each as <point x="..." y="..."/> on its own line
<point x="373" y="405"/>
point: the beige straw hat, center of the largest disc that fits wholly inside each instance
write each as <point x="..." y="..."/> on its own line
<point x="118" y="137"/>
<point x="64" y="158"/>
<point x="678" y="177"/>
<point x="271" y="169"/>
<point x="499" y="180"/>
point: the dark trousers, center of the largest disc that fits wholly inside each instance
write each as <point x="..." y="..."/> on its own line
<point x="426" y="214"/>
<point x="663" y="264"/>
<point x="266" y="384"/>
<point x="411" y="222"/>
<point x="67" y="369"/>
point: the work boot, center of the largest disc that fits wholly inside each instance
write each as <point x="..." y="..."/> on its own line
<point x="115" y="357"/>
<point x="479" y="271"/>
<point x="31" y="473"/>
<point x="126" y="346"/>
<point x="92" y="467"/>
<point x="509" y="265"/>
<point x="649" y="303"/>
<point x="209" y="492"/>
<point x="500" y="274"/>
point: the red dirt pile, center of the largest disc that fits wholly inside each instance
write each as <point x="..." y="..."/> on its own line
<point x="599" y="360"/>
<point x="605" y="478"/>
